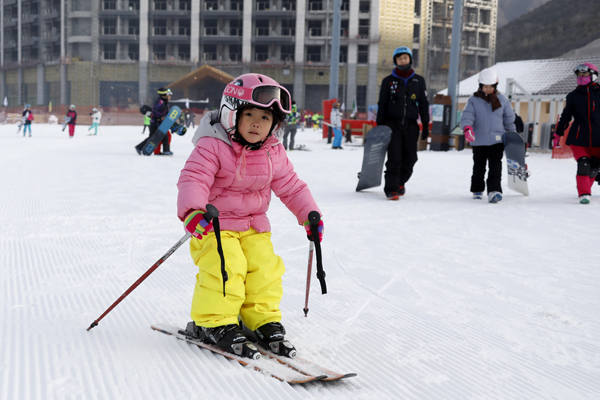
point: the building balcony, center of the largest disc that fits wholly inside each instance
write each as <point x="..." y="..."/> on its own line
<point x="79" y="39"/>
<point x="154" y="39"/>
<point x="162" y="14"/>
<point x="80" y="14"/>
<point x="273" y="38"/>
<point x="29" y="40"/>
<point x="222" y="38"/>
<point x="29" y="18"/>
<point x="272" y="13"/>
<point x="10" y="22"/>
<point x="50" y="12"/>
<point x="126" y="14"/>
<point x="224" y="14"/>
<point x="120" y="38"/>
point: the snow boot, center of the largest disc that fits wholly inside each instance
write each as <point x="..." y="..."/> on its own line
<point x="494" y="197"/>
<point x="230" y="338"/>
<point x="477" y="195"/>
<point x="401" y="190"/>
<point x="585" y="199"/>
<point x="272" y="336"/>
<point x="393" y="196"/>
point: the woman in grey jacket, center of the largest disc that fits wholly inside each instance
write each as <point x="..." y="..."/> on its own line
<point x="484" y="120"/>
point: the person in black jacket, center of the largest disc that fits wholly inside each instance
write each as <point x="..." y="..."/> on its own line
<point x="402" y="99"/>
<point x="159" y="112"/>
<point x="583" y="105"/>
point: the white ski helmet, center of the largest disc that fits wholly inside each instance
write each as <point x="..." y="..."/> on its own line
<point x="488" y="77"/>
<point x="94" y="109"/>
<point x="72" y="106"/>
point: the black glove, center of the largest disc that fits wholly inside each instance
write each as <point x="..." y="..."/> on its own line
<point x="425" y="131"/>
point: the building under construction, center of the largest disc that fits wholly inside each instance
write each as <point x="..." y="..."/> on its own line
<point x="116" y="53"/>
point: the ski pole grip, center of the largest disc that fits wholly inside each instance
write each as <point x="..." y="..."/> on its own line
<point x="313" y="219"/>
<point x="211" y="212"/>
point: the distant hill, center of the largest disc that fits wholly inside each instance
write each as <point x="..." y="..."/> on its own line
<point x="550" y="30"/>
<point x="509" y="10"/>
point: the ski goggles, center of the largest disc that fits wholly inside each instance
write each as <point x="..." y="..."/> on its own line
<point x="262" y="96"/>
<point x="582" y="68"/>
<point x="165" y="92"/>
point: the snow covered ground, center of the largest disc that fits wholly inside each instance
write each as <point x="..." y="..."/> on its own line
<point x="435" y="296"/>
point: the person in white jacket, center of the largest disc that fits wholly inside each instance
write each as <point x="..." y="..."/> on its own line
<point x="96" y="116"/>
<point x="336" y="124"/>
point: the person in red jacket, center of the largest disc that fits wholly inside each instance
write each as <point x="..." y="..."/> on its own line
<point x="583" y="106"/>
<point x="72" y="115"/>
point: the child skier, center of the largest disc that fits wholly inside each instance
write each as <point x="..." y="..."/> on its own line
<point x="235" y="165"/>
<point x="96" y="116"/>
<point x="486" y="117"/>
<point x="583" y="105"/>
<point x="27" y="118"/>
<point x="72" y="114"/>
<point x="147" y="118"/>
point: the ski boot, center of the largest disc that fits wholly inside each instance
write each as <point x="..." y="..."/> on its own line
<point x="230" y="338"/>
<point x="271" y="336"/>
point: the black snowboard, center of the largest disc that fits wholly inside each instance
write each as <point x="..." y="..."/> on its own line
<point x="514" y="147"/>
<point x="144" y="109"/>
<point x="375" y="149"/>
<point x="160" y="133"/>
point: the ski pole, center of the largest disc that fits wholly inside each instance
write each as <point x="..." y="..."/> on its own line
<point x="211" y="212"/>
<point x="314" y="218"/>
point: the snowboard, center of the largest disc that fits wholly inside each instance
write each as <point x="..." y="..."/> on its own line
<point x="514" y="147"/>
<point x="66" y="122"/>
<point x="288" y="370"/>
<point x="160" y="133"/>
<point x="375" y="149"/>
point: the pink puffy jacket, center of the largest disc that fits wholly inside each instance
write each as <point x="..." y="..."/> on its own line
<point x="239" y="181"/>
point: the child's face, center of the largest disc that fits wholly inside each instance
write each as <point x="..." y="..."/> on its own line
<point x="255" y="124"/>
<point x="402" y="59"/>
<point x="488" y="89"/>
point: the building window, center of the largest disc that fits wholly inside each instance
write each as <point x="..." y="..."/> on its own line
<point x="109" y="27"/>
<point x="484" y="40"/>
<point x="211" y="27"/>
<point x="184" y="27"/>
<point x="262" y="27"/>
<point x="344" y="28"/>
<point x="235" y="52"/>
<point x="109" y="5"/>
<point x="185" y="5"/>
<point x="288" y="27"/>
<point x="364" y="6"/>
<point x="483" y="62"/>
<point x="235" y="27"/>
<point x="361" y="98"/>
<point x="183" y="51"/>
<point x="363" y="54"/>
<point x="417" y="8"/>
<point x="416" y="33"/>
<point x="133" y="52"/>
<point x="287" y="52"/>
<point x="160" y="5"/>
<point x="343" y="54"/>
<point x="363" y="28"/>
<point x="237" y="5"/>
<point x="210" y="52"/>
<point x="211" y="5"/>
<point x="160" y="27"/>
<point x="288" y="5"/>
<point x="415" y="58"/>
<point x="133" y="5"/>
<point x="315" y="5"/>
<point x="159" y="51"/>
<point x="314" y="28"/>
<point x="470" y="39"/>
<point x="313" y="53"/>
<point x="109" y="51"/>
<point x="345" y="5"/>
<point x="134" y="27"/>
<point x="485" y="17"/>
<point x="261" y="52"/>
<point x="263" y="5"/>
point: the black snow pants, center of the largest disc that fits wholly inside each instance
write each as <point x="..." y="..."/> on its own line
<point x="401" y="154"/>
<point x="483" y="156"/>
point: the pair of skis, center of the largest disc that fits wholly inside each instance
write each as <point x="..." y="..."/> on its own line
<point x="292" y="371"/>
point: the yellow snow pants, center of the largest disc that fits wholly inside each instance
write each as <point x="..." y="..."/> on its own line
<point x="254" y="288"/>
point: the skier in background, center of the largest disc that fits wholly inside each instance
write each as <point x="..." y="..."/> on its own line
<point x="96" y="116"/>
<point x="72" y="115"/>
<point x="236" y="163"/>
<point x="583" y="106"/>
<point x="27" y="119"/>
<point x="486" y="117"/>
<point x="291" y="127"/>
<point x="147" y="118"/>
<point x="402" y="99"/>
<point x="336" y="125"/>
<point x="159" y="112"/>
